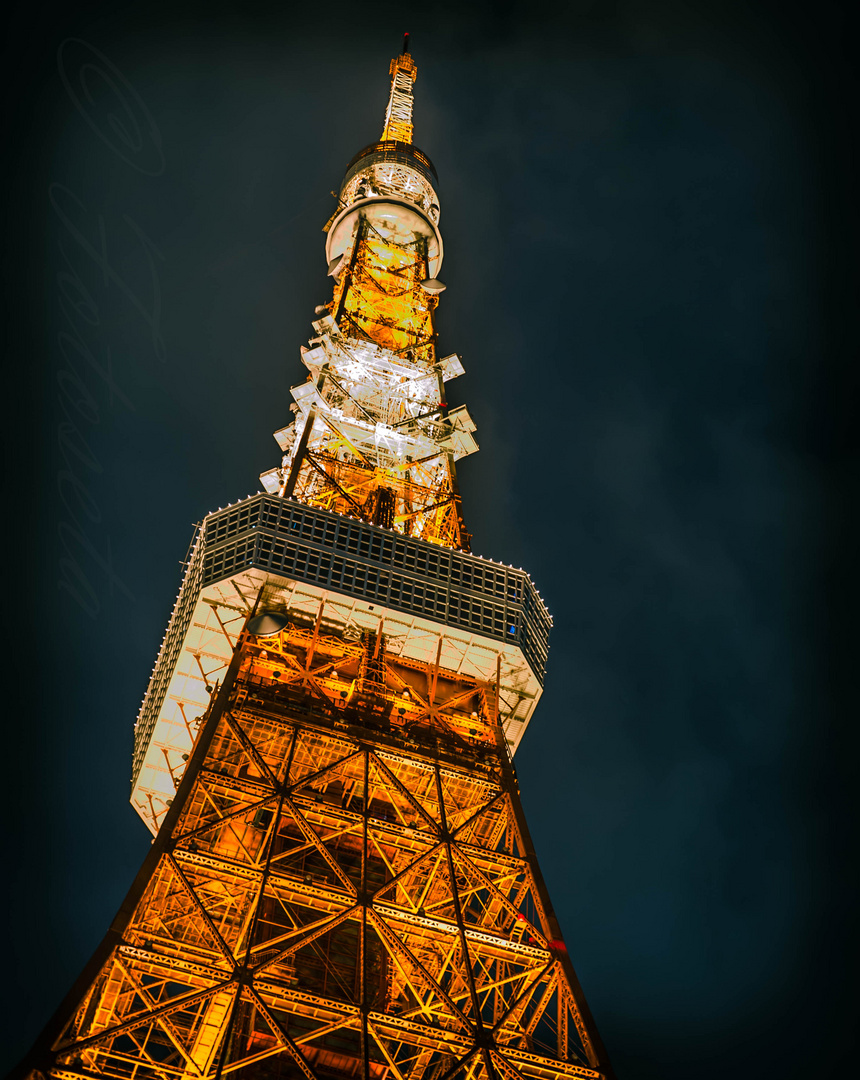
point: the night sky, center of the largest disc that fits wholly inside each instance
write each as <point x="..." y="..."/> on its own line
<point x="650" y="234"/>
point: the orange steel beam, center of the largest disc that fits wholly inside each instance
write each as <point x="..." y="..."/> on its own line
<point x="344" y="886"/>
<point x="311" y="852"/>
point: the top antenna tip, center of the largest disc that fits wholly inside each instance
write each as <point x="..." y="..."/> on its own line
<point x="406" y="42"/>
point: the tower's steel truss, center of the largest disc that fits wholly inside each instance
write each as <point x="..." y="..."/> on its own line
<point x="342" y="884"/>
<point x="373" y="436"/>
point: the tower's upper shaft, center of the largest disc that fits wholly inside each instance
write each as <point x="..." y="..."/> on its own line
<point x="373" y="436"/>
<point x="398" y="115"/>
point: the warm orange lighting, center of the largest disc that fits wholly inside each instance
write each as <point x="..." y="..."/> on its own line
<point x="342" y="885"/>
<point x="372" y="437"/>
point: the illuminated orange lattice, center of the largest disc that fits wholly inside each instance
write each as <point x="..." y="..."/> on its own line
<point x="343" y="887"/>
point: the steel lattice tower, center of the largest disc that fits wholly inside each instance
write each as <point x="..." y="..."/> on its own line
<point x="341" y="883"/>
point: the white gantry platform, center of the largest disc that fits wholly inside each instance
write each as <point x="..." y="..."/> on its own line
<point x="487" y="616"/>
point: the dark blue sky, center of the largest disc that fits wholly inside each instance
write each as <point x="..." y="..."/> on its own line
<point x="648" y="217"/>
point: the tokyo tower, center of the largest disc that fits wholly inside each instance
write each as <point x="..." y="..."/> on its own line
<point x="341" y="884"/>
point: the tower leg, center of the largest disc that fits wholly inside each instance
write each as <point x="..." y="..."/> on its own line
<point x="343" y="888"/>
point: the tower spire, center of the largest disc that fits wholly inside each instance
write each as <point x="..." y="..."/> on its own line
<point x="373" y="437"/>
<point x="398" y="115"/>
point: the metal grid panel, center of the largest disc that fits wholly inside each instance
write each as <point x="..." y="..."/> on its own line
<point x="375" y="564"/>
<point x="168" y="654"/>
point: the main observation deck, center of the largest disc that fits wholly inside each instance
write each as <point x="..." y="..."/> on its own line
<point x="478" y="616"/>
